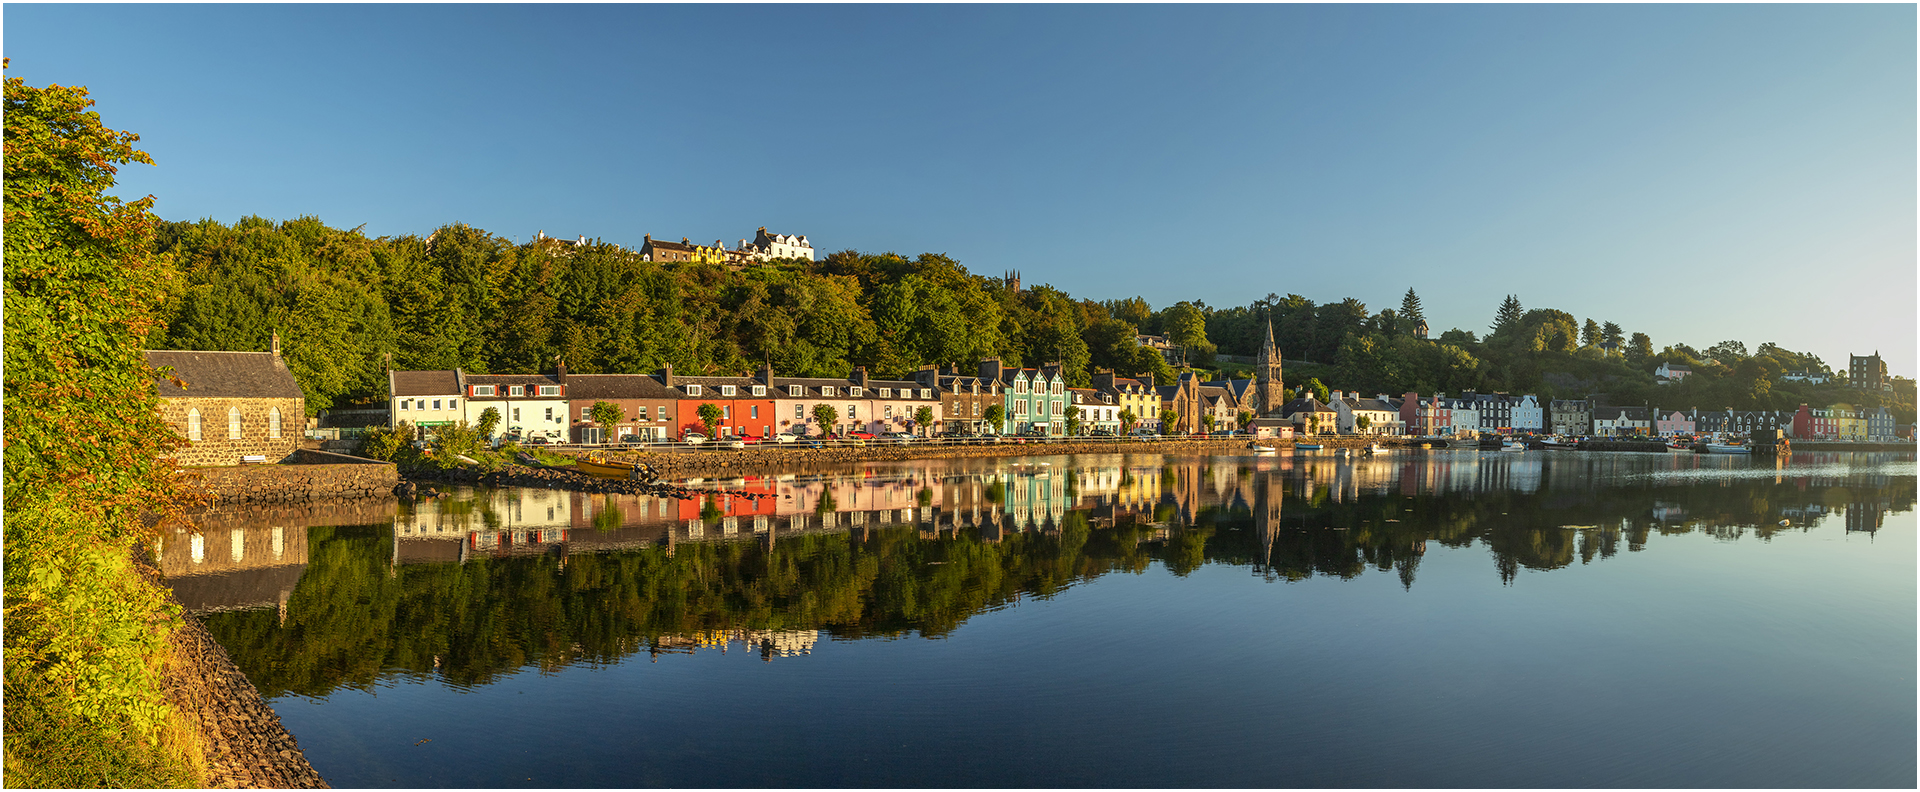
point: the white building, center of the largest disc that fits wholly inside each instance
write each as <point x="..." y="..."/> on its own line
<point x="1669" y="373"/>
<point x="1527" y="415"/>
<point x="767" y="246"/>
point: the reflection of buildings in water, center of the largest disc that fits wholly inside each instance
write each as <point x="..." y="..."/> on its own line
<point x="769" y="643"/>
<point x="232" y="567"/>
<point x="1866" y="516"/>
<point x="1668" y="512"/>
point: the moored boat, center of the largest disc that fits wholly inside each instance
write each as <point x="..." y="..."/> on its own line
<point x="1306" y="446"/>
<point x="1260" y="449"/>
<point x="603" y="469"/>
<point x="1553" y="443"/>
<point x="1727" y="448"/>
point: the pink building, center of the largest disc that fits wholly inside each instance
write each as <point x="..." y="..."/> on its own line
<point x="1674" y="423"/>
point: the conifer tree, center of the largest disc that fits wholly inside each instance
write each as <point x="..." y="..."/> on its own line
<point x="1508" y="318"/>
<point x="1410" y="309"/>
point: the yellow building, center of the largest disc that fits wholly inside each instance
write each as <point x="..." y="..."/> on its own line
<point x="1849" y="422"/>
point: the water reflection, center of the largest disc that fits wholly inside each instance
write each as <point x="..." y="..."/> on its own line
<point x="466" y="588"/>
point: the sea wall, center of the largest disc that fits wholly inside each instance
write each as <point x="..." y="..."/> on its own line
<point x="296" y="483"/>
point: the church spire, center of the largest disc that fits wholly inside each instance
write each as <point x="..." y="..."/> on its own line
<point x="1267" y="376"/>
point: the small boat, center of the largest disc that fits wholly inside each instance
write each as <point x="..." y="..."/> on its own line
<point x="1513" y="445"/>
<point x="603" y="469"/>
<point x="1306" y="446"/>
<point x="1260" y="449"/>
<point x="1727" y="448"/>
<point x="1553" y="444"/>
<point x="1374" y="448"/>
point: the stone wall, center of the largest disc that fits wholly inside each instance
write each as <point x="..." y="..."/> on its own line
<point x="215" y="448"/>
<point x="295" y="483"/>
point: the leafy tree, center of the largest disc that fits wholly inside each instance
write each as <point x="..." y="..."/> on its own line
<point x="1206" y="422"/>
<point x="385" y="444"/>
<point x="993" y="415"/>
<point x="826" y="416"/>
<point x="1727" y="353"/>
<point x="1611" y="334"/>
<point x="85" y="451"/>
<point x="923" y="418"/>
<point x="1318" y="390"/>
<point x="1590" y="334"/>
<point x="1246" y="417"/>
<point x="489" y="421"/>
<point x="1363" y="422"/>
<point x="1127" y="419"/>
<point x="1167" y="419"/>
<point x="1186" y="325"/>
<point x="709" y="416"/>
<point x="1639" y="349"/>
<point x="607" y="415"/>
<point x="1073" y="420"/>
<point x="452" y="441"/>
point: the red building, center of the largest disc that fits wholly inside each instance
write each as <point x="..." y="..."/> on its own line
<point x="745" y="403"/>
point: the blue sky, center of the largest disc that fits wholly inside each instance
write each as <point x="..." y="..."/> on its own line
<point x="1696" y="173"/>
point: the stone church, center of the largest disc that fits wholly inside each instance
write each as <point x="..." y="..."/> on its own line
<point x="234" y="406"/>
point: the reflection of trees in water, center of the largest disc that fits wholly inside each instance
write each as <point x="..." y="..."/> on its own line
<point x="356" y="615"/>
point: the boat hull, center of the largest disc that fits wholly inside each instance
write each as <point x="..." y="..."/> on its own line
<point x="599" y="469"/>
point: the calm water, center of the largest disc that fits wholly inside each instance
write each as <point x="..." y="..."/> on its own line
<point x="1445" y="618"/>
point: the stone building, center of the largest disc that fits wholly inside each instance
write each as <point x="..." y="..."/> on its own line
<point x="229" y="405"/>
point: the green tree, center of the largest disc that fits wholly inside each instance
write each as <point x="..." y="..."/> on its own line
<point x="1127" y="419"/>
<point x="1611" y="334"/>
<point x="923" y="419"/>
<point x="85" y="455"/>
<point x="1507" y="319"/>
<point x="1073" y="420"/>
<point x="1590" y="334"/>
<point x="1246" y="418"/>
<point x="1362" y="423"/>
<point x="1206" y="422"/>
<point x="993" y="415"/>
<point x="1639" y="349"/>
<point x="1410" y="309"/>
<point x="1318" y="390"/>
<point x="826" y="416"/>
<point x="489" y="421"/>
<point x="608" y="415"/>
<point x="709" y="417"/>
<point x="1167" y="419"/>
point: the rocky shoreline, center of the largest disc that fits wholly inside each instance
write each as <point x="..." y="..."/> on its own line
<point x="241" y="739"/>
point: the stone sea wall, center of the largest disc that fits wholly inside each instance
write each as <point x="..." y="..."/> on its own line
<point x="296" y="483"/>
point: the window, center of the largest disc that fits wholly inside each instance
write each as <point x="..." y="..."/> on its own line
<point x="855" y="391"/>
<point x="1019" y="386"/>
<point x="483" y="390"/>
<point x="233" y="423"/>
<point x="193" y="425"/>
<point x="889" y="412"/>
<point x="926" y="393"/>
<point x="849" y="412"/>
<point x="436" y="404"/>
<point x="586" y="413"/>
<point x="693" y="390"/>
<point x="273" y="423"/>
<point x="759" y="390"/>
<point x="406" y="404"/>
<point x="549" y="390"/>
<point x="886" y="393"/>
<point x="726" y="390"/>
<point x="516" y="390"/>
<point x="826" y="390"/>
<point x="796" y="391"/>
<point x="549" y="413"/>
<point x="641" y="412"/>
<point x="799" y="411"/>
<point x="516" y="413"/>
<point x="726" y="412"/>
<point x="753" y="411"/>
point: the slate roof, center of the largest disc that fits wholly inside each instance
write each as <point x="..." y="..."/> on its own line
<point x="425" y="383"/>
<point x="616" y="386"/>
<point x="224" y="375"/>
<point x="1304" y="404"/>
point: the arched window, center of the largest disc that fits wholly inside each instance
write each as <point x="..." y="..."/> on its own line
<point x="233" y="423"/>
<point x="193" y="425"/>
<point x="273" y="423"/>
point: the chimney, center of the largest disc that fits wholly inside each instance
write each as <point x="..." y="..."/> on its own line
<point x="1103" y="380"/>
<point x="1051" y="369"/>
<point x="1148" y="379"/>
<point x="560" y="369"/>
<point x="766" y="374"/>
<point x="990" y="369"/>
<point x="928" y="376"/>
<point x="276" y="344"/>
<point x="666" y="375"/>
<point x="860" y="376"/>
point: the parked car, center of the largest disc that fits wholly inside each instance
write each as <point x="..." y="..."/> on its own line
<point x="861" y="435"/>
<point x="750" y="439"/>
<point x="538" y="440"/>
<point x="785" y="437"/>
<point x="693" y="438"/>
<point x="900" y="437"/>
<point x="735" y="443"/>
<point x="632" y="440"/>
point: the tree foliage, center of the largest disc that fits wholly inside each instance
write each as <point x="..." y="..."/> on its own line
<point x="84" y="443"/>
